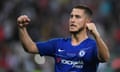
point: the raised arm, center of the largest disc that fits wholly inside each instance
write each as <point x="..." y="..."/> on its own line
<point x="103" y="52"/>
<point x="25" y="39"/>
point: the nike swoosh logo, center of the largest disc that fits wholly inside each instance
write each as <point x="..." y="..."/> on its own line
<point x="60" y="50"/>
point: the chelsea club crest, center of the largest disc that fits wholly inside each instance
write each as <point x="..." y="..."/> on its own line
<point x="81" y="53"/>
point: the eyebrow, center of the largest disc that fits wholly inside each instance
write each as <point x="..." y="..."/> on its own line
<point x="77" y="16"/>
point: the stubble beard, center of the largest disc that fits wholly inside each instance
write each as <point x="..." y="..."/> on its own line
<point x="76" y="32"/>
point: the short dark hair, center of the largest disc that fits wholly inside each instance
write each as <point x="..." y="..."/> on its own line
<point x="88" y="11"/>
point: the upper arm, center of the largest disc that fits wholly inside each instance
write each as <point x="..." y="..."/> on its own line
<point x="46" y="48"/>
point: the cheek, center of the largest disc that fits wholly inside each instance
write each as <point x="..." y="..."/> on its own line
<point x="81" y="22"/>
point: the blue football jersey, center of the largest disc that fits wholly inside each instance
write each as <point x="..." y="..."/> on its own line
<point x="69" y="58"/>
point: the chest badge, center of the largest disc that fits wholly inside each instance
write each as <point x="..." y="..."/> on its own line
<point x="82" y="53"/>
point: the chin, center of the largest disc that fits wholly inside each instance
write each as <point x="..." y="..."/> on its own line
<point x="76" y="31"/>
<point x="73" y="32"/>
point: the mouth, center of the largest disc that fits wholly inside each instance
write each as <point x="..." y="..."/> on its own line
<point x="73" y="25"/>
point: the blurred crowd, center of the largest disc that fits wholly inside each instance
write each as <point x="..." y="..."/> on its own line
<point x="49" y="19"/>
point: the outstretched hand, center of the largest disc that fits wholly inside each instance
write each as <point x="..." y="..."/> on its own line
<point x="23" y="21"/>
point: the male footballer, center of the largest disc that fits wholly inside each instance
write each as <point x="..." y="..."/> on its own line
<point x="77" y="53"/>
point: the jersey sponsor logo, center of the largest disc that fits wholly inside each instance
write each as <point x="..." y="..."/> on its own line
<point x="60" y="50"/>
<point x="74" y="64"/>
<point x="82" y="53"/>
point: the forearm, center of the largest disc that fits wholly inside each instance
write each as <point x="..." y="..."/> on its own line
<point x="26" y="41"/>
<point x="103" y="52"/>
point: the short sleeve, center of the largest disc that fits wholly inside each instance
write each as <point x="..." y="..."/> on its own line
<point x="47" y="48"/>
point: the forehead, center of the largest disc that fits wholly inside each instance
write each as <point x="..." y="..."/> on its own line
<point x="76" y="11"/>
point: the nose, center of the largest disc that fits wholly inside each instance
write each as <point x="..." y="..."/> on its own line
<point x="72" y="19"/>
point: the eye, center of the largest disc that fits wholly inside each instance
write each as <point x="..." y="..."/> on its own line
<point x="71" y="16"/>
<point x="77" y="16"/>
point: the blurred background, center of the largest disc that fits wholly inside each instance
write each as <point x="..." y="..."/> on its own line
<point x="49" y="19"/>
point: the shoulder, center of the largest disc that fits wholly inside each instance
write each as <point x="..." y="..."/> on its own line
<point x="59" y="39"/>
<point x="91" y="41"/>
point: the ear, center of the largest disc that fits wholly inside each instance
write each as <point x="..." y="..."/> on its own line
<point x="89" y="20"/>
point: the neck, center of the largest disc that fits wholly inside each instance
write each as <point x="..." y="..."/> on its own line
<point x="79" y="37"/>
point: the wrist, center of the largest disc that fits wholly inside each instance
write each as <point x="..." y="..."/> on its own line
<point x="96" y="34"/>
<point x="22" y="28"/>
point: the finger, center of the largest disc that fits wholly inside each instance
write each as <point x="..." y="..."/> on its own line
<point x="87" y="25"/>
<point x="26" y="23"/>
<point x="20" y="25"/>
<point x="20" y="19"/>
<point x="26" y="19"/>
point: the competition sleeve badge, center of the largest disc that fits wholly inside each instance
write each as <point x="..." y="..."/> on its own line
<point x="82" y="53"/>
